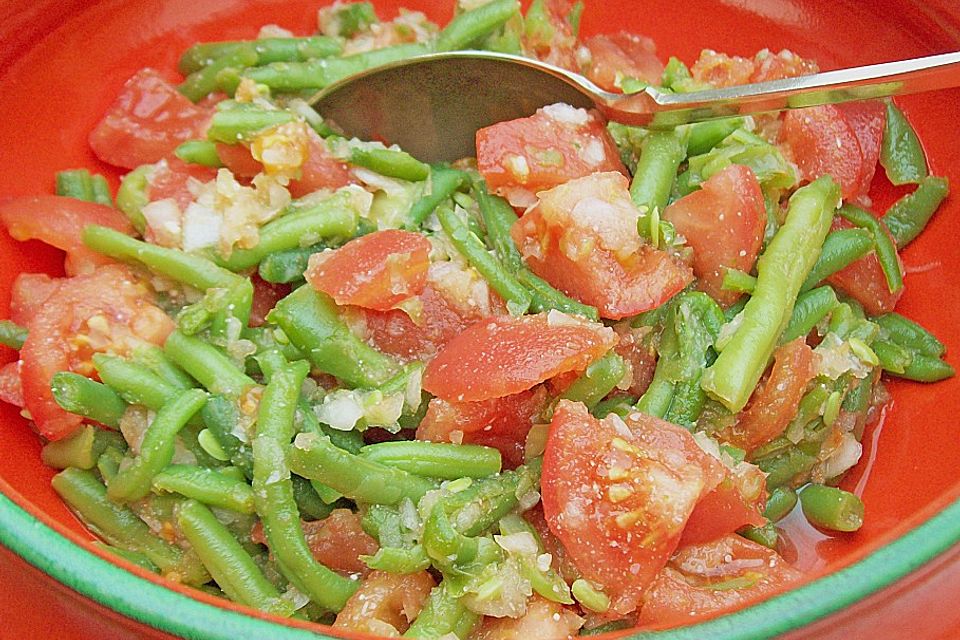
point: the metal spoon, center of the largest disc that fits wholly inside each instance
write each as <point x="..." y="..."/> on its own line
<point x="432" y="105"/>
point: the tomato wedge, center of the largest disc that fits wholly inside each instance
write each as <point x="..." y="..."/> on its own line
<point x="864" y="280"/>
<point x="738" y="500"/>
<point x="706" y="579"/>
<point x="723" y="222"/>
<point x="10" y="389"/>
<point x="107" y="310"/>
<point x="59" y="221"/>
<point x="29" y="293"/>
<point x="376" y="271"/>
<point x="543" y="620"/>
<point x="147" y="121"/>
<point x="502" y="423"/>
<point x="321" y="170"/>
<point x="171" y="177"/>
<point x="821" y="142"/>
<point x="621" y="55"/>
<point x="386" y="603"/>
<point x="503" y="356"/>
<point x="774" y="403"/>
<point x="867" y="119"/>
<point x="582" y="238"/>
<point x="556" y="144"/>
<point x="618" y="494"/>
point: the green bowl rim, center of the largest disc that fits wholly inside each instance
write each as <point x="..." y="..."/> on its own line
<point x="139" y="599"/>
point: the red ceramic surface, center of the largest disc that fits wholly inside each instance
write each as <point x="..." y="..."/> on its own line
<point x="62" y="62"/>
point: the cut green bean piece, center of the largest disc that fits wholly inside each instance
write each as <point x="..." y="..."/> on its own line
<point x="75" y="183"/>
<point x="840" y="248"/>
<point x="548" y="583"/>
<point x="207" y="364"/>
<point x="119" y="526"/>
<point x="88" y="398"/>
<point x="545" y="297"/>
<point x="736" y="280"/>
<point x="589" y="596"/>
<point x="660" y="156"/>
<point x="231" y="126"/>
<point x="397" y="560"/>
<point x="600" y="378"/>
<point x="228" y="563"/>
<point x="153" y="358"/>
<point x="12" y="335"/>
<point x="283" y="267"/>
<point x="201" y="152"/>
<point x="311" y="321"/>
<point x="132" y="481"/>
<point x="205" y="81"/>
<point x="133" y="557"/>
<point x="209" y="486"/>
<point x="444" y="182"/>
<point x="781" y="270"/>
<point x="391" y="162"/>
<point x="82" y="449"/>
<point x="704" y="136"/>
<point x="436" y="459"/>
<point x="831" y="508"/>
<point x="101" y="191"/>
<point x="765" y="535"/>
<point x="904" y="363"/>
<point x="133" y="382"/>
<point x="781" y="502"/>
<point x="442" y="614"/>
<point x="472" y="26"/>
<point x="901" y="153"/>
<point x="909" y="215"/>
<point x="132" y="195"/>
<point x="884" y="247"/>
<point x="811" y="307"/>
<point x="911" y="335"/>
<point x="267" y="50"/>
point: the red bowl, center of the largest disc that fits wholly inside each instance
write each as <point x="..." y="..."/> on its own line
<point x="62" y="62"/>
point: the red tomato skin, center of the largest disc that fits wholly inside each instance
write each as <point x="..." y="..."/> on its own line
<point x="681" y="592"/>
<point x="542" y="151"/>
<point x="786" y="64"/>
<point x="237" y="158"/>
<point x="721" y="70"/>
<point x="320" y="170"/>
<point x="59" y="221"/>
<point x="376" y="271"/>
<point x="864" y="280"/>
<point x="738" y="501"/>
<point x="55" y="341"/>
<point x="724" y="223"/>
<point x="609" y="268"/>
<point x="29" y="293"/>
<point x="266" y="295"/>
<point x="622" y="54"/>
<point x="171" y="178"/>
<point x="11" y="391"/>
<point x="821" y="142"/>
<point x="502" y="423"/>
<point x="339" y="540"/>
<point x="146" y="122"/>
<point x="617" y="495"/>
<point x="868" y="120"/>
<point x="774" y="403"/>
<point x="503" y="356"/>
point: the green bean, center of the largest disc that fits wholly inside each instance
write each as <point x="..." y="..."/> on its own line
<point x="785" y="468"/>
<point x="153" y="358"/>
<point x="334" y="217"/>
<point x="201" y="152"/>
<point x="840" y="248"/>
<point x="101" y="191"/>
<point x="132" y="482"/>
<point x="599" y="379"/>
<point x="811" y="307"/>
<point x="267" y="50"/>
<point x="133" y="557"/>
<point x="831" y="508"/>
<point x="444" y="182"/>
<point x="900" y="152"/>
<point x="119" y="526"/>
<point x="781" y="502"/>
<point x="310" y="504"/>
<point x="472" y="248"/>
<point x="544" y="297"/>
<point x="207" y="364"/>
<point x="75" y="183"/>
<point x="312" y="322"/>
<point x="442" y="614"/>
<point x="205" y="81"/>
<point x="221" y="415"/>
<point x="82" y="449"/>
<point x="910" y="335"/>
<point x="273" y="493"/>
<point x="228" y="563"/>
<point x="739" y="281"/>
<point x="397" y="560"/>
<point x="620" y="405"/>
<point x="359" y="478"/>
<point x="231" y="126"/>
<point x="608" y="627"/>
<point x="658" y="397"/>
<point x="910" y="365"/>
<point x="765" y="534"/>
<point x="435" y="459"/>
<point x="472" y="26"/>
<point x="287" y="266"/>
<point x="88" y="398"/>
<point x="660" y="156"/>
<point x="392" y="163"/>
<point x="498" y="218"/>
<point x="704" y="136"/>
<point x="485" y="501"/>
<point x="350" y="19"/>
<point x="547" y="583"/>
<point x="132" y="195"/>
<point x="884" y="247"/>
<point x="317" y="74"/>
<point x="133" y="382"/>
<point x="12" y="335"/>
<point x="910" y="214"/>
<point x="209" y="486"/>
<point x="781" y="271"/>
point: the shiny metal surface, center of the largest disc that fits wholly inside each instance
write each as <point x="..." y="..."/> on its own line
<point x="432" y="105"/>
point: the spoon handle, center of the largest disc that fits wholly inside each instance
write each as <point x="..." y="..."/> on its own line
<point x="658" y="109"/>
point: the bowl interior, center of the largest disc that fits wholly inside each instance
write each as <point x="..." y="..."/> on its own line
<point x="65" y="61"/>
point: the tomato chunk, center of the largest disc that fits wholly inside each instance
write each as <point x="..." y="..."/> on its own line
<point x="386" y="603"/>
<point x="618" y="494"/>
<point x="29" y="293"/>
<point x="723" y="222"/>
<point x="171" y="178"/>
<point x="321" y="170"/>
<point x="622" y="55"/>
<point x="146" y="122"/>
<point x="821" y="142"/>
<point x="556" y="144"/>
<point x="710" y="578"/>
<point x="868" y="120"/>
<point x="549" y="36"/>
<point x="738" y="500"/>
<point x="775" y="402"/>
<point x="266" y="295"/>
<point x="376" y="271"/>
<point x="544" y="620"/>
<point x="582" y="238"/>
<point x="503" y="356"/>
<point x="864" y="280"/>
<point x="59" y="221"/>
<point x="105" y="311"/>
<point x="338" y="541"/>
<point x="502" y="423"/>
<point x="10" y="388"/>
